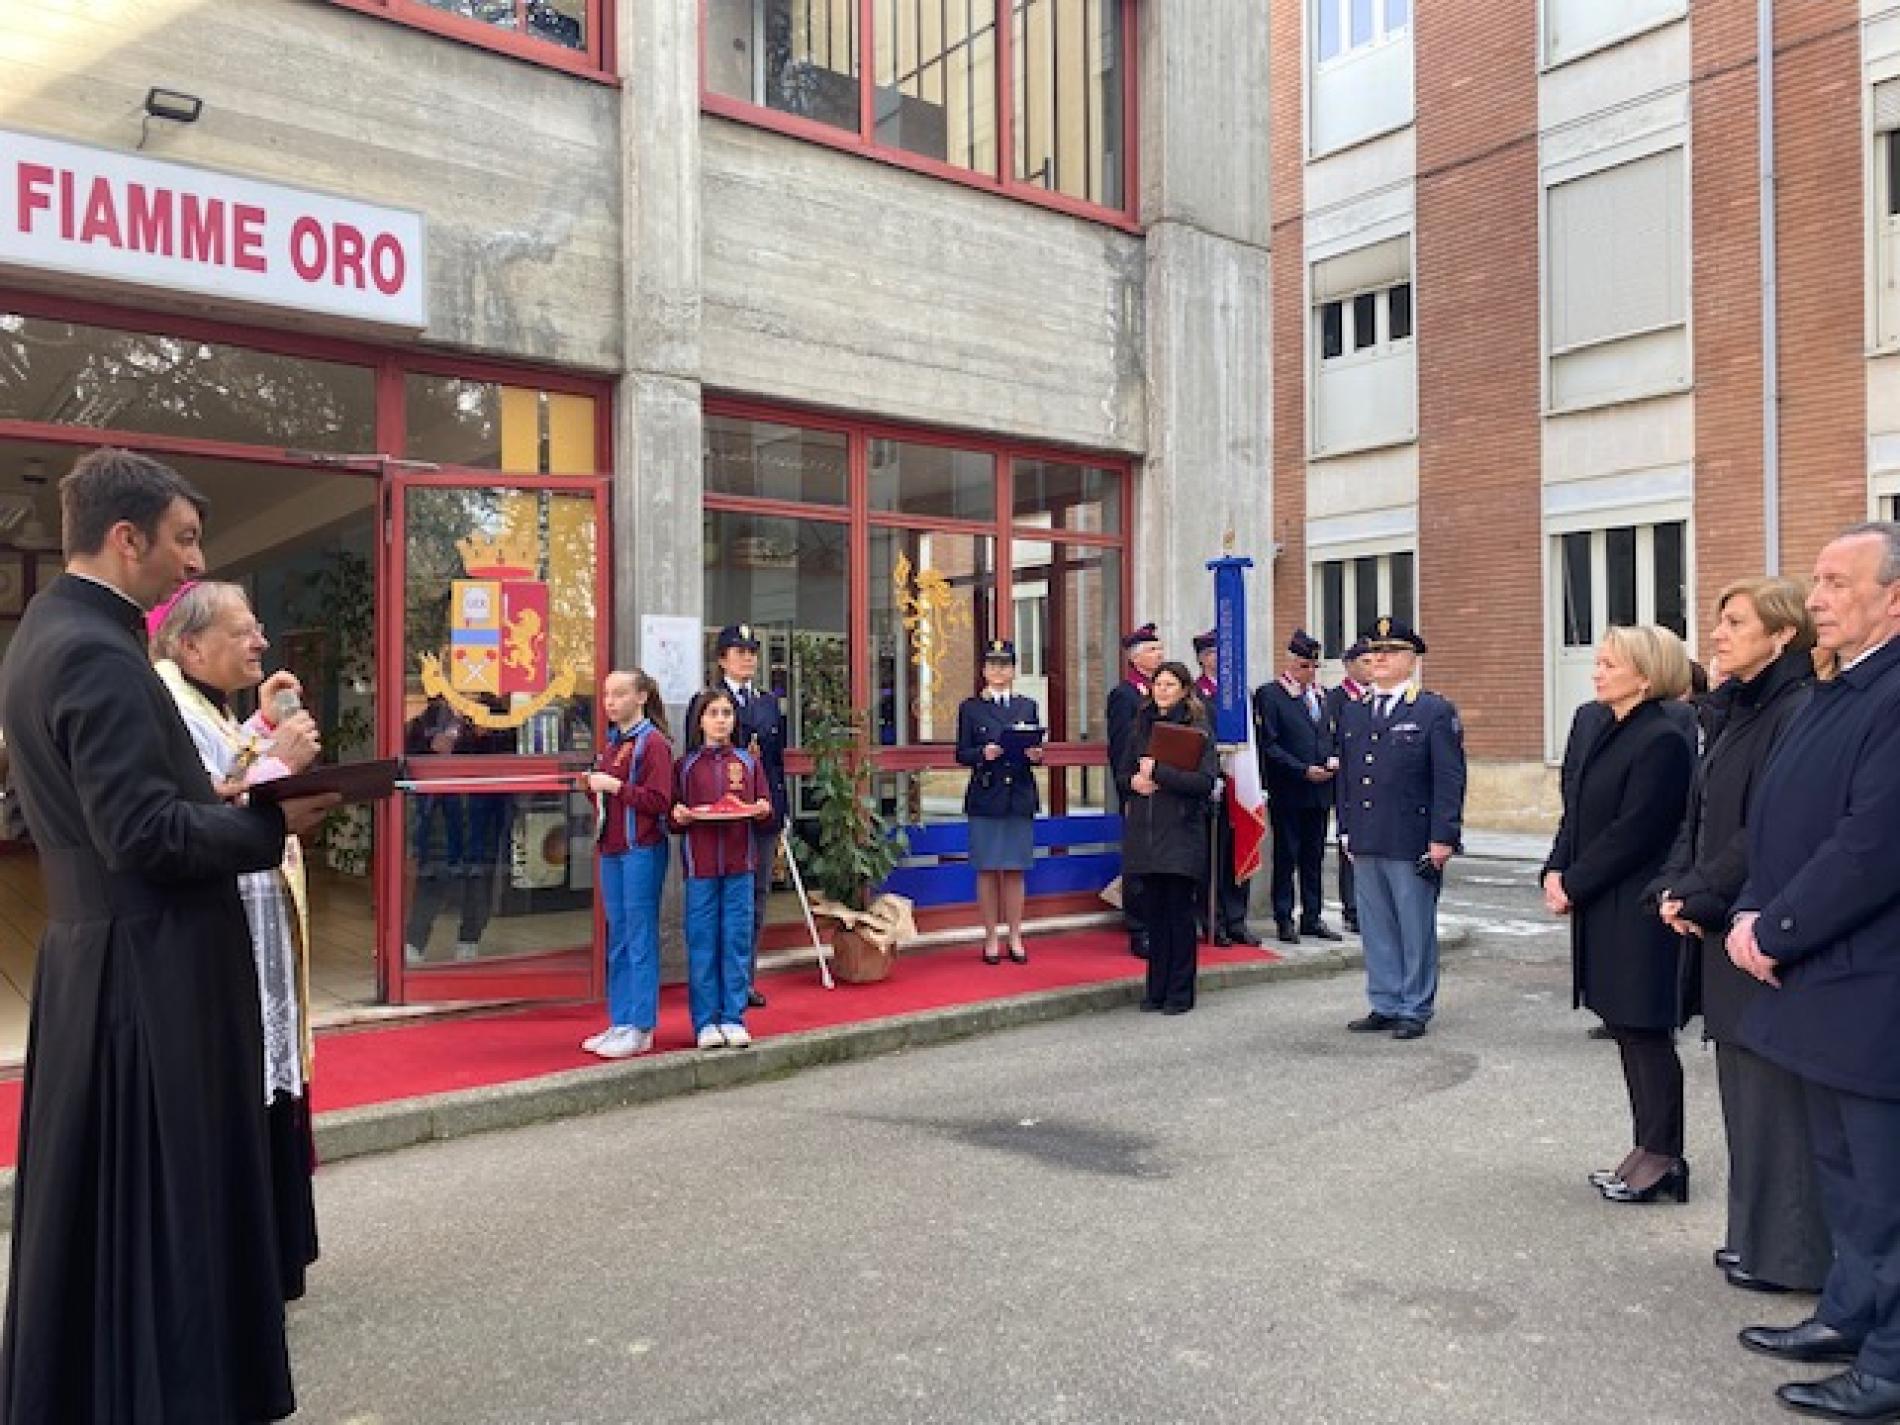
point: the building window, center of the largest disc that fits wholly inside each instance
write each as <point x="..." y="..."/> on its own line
<point x="1628" y="574"/>
<point x="1890" y="507"/>
<point x="1364" y="382"/>
<point x="1577" y="27"/>
<point x="1348" y="594"/>
<point x="883" y="600"/>
<point x="568" y="33"/>
<point x="1886" y="110"/>
<point x="1617" y="283"/>
<point x="935" y="84"/>
<point x="1342" y="26"/>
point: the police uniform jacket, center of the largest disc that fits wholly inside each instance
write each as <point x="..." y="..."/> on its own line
<point x="1006" y="786"/>
<point x="1821" y="856"/>
<point x="1165" y="834"/>
<point x="1125" y="700"/>
<point x="1401" y="786"/>
<point x="1288" y="740"/>
<point x="1632" y="787"/>
<point x="762" y="721"/>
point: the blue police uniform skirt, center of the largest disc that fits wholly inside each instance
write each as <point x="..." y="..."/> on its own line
<point x="1002" y="843"/>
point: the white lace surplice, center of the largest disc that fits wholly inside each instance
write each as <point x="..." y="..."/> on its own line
<point x="268" y="907"/>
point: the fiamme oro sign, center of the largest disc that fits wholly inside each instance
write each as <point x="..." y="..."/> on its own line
<point x="122" y="218"/>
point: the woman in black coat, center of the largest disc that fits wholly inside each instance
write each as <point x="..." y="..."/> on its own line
<point x="1164" y="836"/>
<point x="1776" y="1237"/>
<point x="1631" y="787"/>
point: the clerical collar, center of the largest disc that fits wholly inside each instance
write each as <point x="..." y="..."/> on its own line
<point x="95" y="579"/>
<point x="217" y="698"/>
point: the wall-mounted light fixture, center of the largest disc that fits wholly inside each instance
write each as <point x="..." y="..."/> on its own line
<point x="173" y="104"/>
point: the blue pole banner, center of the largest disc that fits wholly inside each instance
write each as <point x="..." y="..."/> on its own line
<point x="1230" y="642"/>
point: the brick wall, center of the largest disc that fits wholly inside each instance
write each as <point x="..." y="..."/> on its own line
<point x="1820" y="230"/>
<point x="1290" y="334"/>
<point x="1480" y="570"/>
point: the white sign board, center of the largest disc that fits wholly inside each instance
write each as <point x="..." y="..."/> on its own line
<point x="670" y="654"/>
<point x="124" y="218"/>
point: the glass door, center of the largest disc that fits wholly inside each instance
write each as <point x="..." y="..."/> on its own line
<point x="496" y="642"/>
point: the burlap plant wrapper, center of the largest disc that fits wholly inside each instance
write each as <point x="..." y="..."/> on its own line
<point x="868" y="940"/>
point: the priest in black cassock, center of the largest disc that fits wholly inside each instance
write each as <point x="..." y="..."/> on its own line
<point x="144" y="1269"/>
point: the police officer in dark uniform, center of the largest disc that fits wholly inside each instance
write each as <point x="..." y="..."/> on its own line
<point x="1401" y="818"/>
<point x="1230" y="897"/>
<point x="994" y="729"/>
<point x="1142" y="648"/>
<point x="760" y="731"/>
<point x="1293" y="741"/>
<point x="1350" y="689"/>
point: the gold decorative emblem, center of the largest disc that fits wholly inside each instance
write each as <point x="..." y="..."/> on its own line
<point x="498" y="634"/>
<point x="745" y="632"/>
<point x="735" y="776"/>
<point x="1383" y="628"/>
<point x="931" y="613"/>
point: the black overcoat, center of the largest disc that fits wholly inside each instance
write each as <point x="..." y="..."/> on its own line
<point x="1708" y="865"/>
<point x="1007" y="786"/>
<point x="1631" y="788"/>
<point x="1821" y="871"/>
<point x="1165" y="833"/>
<point x="144" y="1279"/>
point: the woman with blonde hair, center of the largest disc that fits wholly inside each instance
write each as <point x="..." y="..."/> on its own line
<point x="1631" y="786"/>
<point x="1763" y="639"/>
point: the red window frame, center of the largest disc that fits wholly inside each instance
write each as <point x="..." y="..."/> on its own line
<point x="858" y="515"/>
<point x="864" y="144"/>
<point x="595" y="62"/>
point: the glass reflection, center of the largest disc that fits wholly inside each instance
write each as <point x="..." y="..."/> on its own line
<point x="933" y="603"/>
<point x="64" y="373"/>
<point x="766" y="460"/>
<point x="932" y="480"/>
<point x="935" y="66"/>
<point x="1071" y="595"/>
<point x="483" y="425"/>
<point x="796" y="56"/>
<point x="1058" y="494"/>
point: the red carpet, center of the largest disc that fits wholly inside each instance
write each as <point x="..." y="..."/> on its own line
<point x="365" y="1066"/>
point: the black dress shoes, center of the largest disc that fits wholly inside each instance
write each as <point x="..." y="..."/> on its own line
<point x="1673" y="1183"/>
<point x="1748" y="1281"/>
<point x="1726" y="1257"/>
<point x="1138" y="945"/>
<point x="754" y="1000"/>
<point x="1373" y="1023"/>
<point x="1285" y="933"/>
<point x="1811" y="1340"/>
<point x="1222" y="938"/>
<point x="1240" y="935"/>
<point x="1851" y="1395"/>
<point x="1352" y="922"/>
<point x="1319" y="931"/>
<point x="1599" y="1031"/>
<point x="1406" y="1028"/>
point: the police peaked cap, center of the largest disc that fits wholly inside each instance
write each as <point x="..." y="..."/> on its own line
<point x="1389" y="632"/>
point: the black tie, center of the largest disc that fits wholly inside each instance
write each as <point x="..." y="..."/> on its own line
<point x="745" y="694"/>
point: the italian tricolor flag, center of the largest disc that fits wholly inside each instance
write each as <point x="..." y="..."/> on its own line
<point x="1246" y="809"/>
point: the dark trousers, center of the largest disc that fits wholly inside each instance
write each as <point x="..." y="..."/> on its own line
<point x="1230" y="897"/>
<point x="1135" y="905"/>
<point x="1173" y="953"/>
<point x="1775" y="1223"/>
<point x="1857" y="1162"/>
<point x="1347" y="898"/>
<point x="1299" y="844"/>
<point x="1653" y="1074"/>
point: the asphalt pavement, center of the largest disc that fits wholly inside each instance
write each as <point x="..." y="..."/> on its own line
<point x="1244" y="1214"/>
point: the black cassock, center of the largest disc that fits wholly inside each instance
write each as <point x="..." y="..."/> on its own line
<point x="145" y="1281"/>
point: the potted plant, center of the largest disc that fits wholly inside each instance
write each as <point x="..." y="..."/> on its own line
<point x="854" y="846"/>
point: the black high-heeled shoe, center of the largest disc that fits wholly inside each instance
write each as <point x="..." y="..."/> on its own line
<point x="992" y="955"/>
<point x="1673" y="1183"/>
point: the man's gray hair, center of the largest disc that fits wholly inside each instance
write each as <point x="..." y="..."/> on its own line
<point x="1889" y="530"/>
<point x="192" y="613"/>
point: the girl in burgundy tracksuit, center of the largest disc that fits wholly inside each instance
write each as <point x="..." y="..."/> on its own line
<point x="634" y="781"/>
<point x="718" y="861"/>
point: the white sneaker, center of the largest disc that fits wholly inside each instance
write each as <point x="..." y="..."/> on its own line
<point x="712" y="1037"/>
<point x="624" y="1042"/>
<point x="412" y="955"/>
<point x="467" y="949"/>
<point x="593" y="1041"/>
<point x="736" y="1036"/>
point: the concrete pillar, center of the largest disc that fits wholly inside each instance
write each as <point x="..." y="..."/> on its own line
<point x="1204" y="169"/>
<point x="657" y="566"/>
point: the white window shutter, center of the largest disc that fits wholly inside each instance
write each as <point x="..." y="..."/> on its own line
<point x="1887" y="107"/>
<point x="1617" y="256"/>
<point x="1364" y="269"/>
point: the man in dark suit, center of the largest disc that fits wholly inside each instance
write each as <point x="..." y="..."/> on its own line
<point x="761" y="731"/>
<point x="1351" y="688"/>
<point x="1401" y="818"/>
<point x="1820" y="921"/>
<point x="1230" y="897"/>
<point x="1294" y="744"/>
<point x="1141" y="647"/>
<point x="144" y="1281"/>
